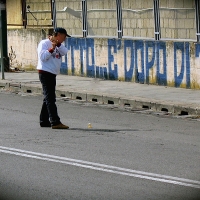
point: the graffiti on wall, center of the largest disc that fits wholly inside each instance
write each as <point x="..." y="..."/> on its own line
<point x="139" y="59"/>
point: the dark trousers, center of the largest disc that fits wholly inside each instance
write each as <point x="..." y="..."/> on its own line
<point x="49" y="112"/>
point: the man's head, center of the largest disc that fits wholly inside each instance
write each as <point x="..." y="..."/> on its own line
<point x="60" y="34"/>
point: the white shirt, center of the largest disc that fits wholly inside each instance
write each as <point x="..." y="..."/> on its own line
<point x="50" y="62"/>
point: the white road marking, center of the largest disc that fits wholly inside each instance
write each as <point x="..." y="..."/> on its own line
<point x="102" y="167"/>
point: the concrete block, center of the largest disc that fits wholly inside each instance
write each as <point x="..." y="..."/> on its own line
<point x="137" y="32"/>
<point x="112" y="32"/>
<point x="165" y="106"/>
<point x="3" y="84"/>
<point x="60" y="93"/>
<point x="181" y="110"/>
<point x="103" y="31"/>
<point x="189" y="23"/>
<point x="138" y="4"/>
<point x="31" y="89"/>
<point x="178" y="4"/>
<point x="150" y="33"/>
<point x="143" y="32"/>
<point x="163" y="3"/>
<point x="94" y="23"/>
<point x="191" y="14"/>
<point x="166" y="23"/>
<point x="59" y="23"/>
<point x="188" y="4"/>
<point x="95" y="98"/>
<point x="111" y="100"/>
<point x="77" y="5"/>
<point x="172" y="23"/>
<point x="180" y="23"/>
<point x="79" y="96"/>
<point x="142" y="104"/>
<point x="197" y="110"/>
<point x="191" y="34"/>
<point x="127" y="102"/>
<point x="139" y="23"/>
<point x="181" y="14"/>
<point x="182" y="33"/>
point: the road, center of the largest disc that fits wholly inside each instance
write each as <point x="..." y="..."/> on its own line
<point x="125" y="155"/>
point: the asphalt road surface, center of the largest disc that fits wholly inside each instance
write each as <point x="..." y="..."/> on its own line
<point x="123" y="156"/>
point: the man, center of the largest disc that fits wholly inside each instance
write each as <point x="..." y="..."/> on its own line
<point x="50" y="52"/>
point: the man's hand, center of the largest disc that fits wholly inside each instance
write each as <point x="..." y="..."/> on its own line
<point x="54" y="42"/>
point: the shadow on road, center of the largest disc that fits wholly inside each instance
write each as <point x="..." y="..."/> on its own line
<point x="102" y="130"/>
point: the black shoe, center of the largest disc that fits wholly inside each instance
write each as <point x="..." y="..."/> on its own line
<point x="45" y="124"/>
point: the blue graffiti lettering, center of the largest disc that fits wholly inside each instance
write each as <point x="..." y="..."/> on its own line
<point x="149" y="64"/>
<point x="139" y="59"/>
<point x="197" y="47"/>
<point x="73" y="45"/>
<point x="90" y="56"/>
<point x="187" y="48"/>
<point x="139" y="76"/>
<point x="101" y="72"/>
<point x="128" y="45"/>
<point x="113" y="73"/>
<point x="178" y="78"/>
<point x="82" y="44"/>
<point x="185" y="58"/>
<point x="161" y="77"/>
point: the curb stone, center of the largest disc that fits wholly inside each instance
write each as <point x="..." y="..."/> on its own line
<point x="109" y="99"/>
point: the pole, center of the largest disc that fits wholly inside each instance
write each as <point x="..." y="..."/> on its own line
<point x="84" y="18"/>
<point x="2" y="7"/>
<point x="157" y="19"/>
<point x="197" y="10"/>
<point x="54" y="14"/>
<point x="119" y="18"/>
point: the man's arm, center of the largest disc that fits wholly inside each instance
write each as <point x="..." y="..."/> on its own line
<point x="43" y="52"/>
<point x="62" y="49"/>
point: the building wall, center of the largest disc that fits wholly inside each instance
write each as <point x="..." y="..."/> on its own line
<point x="14" y="9"/>
<point x="178" y="20"/>
<point x="24" y="47"/>
<point x="175" y="64"/>
<point x="167" y="62"/>
<point x="39" y="10"/>
<point x="177" y="17"/>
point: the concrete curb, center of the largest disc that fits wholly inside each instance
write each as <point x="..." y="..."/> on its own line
<point x="134" y="103"/>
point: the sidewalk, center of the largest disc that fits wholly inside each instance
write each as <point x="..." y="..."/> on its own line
<point x="135" y="95"/>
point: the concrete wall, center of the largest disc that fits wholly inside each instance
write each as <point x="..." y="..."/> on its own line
<point x="24" y="44"/>
<point x="177" y="17"/>
<point x="170" y="63"/>
<point x="70" y="19"/>
<point x="178" y="20"/>
<point x="14" y="9"/>
<point x="175" y="64"/>
<point x="44" y="18"/>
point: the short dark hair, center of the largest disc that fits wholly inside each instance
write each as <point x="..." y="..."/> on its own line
<point x="50" y="31"/>
<point x="60" y="30"/>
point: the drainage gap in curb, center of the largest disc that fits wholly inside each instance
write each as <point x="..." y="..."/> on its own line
<point x="62" y="95"/>
<point x="79" y="98"/>
<point x="144" y="106"/>
<point x="127" y="104"/>
<point x="110" y="102"/>
<point x="29" y="91"/>
<point x="183" y="113"/>
<point x="95" y="100"/>
<point x="164" y="109"/>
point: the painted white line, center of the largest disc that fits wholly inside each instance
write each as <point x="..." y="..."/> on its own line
<point x="102" y="167"/>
